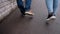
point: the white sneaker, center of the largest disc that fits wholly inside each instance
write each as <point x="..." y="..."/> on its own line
<point x="52" y="17"/>
<point x="29" y="13"/>
<point x="48" y="19"/>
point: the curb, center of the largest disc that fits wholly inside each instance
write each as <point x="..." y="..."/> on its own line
<point x="7" y="10"/>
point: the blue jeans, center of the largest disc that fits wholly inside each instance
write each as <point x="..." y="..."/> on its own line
<point x="21" y="6"/>
<point x="52" y="6"/>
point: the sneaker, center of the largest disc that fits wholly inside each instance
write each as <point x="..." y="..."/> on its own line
<point x="49" y="16"/>
<point x="48" y="19"/>
<point x="29" y="13"/>
<point x="52" y="17"/>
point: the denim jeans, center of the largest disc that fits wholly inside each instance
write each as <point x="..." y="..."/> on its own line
<point x="52" y="6"/>
<point x="21" y="5"/>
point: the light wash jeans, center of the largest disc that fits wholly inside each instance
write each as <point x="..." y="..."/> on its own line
<point x="52" y="6"/>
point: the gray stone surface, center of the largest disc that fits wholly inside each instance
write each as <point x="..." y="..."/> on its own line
<point x="6" y="6"/>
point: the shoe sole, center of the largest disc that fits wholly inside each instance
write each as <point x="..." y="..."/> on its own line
<point x="50" y="19"/>
<point x="29" y="14"/>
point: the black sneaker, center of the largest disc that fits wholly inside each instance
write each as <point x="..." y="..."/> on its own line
<point x="49" y="16"/>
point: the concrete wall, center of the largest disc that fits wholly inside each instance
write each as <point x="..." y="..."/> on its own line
<point x="6" y="6"/>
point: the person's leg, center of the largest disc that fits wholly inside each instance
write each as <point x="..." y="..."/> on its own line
<point x="28" y="7"/>
<point x="55" y="5"/>
<point x="20" y="6"/>
<point x="49" y="4"/>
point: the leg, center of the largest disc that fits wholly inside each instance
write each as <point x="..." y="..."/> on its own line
<point x="55" y="5"/>
<point x="28" y="7"/>
<point x="49" y="4"/>
<point x="20" y="6"/>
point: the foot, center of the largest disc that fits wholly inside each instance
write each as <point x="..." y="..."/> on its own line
<point x="29" y="13"/>
<point x="52" y="17"/>
<point x="49" y="16"/>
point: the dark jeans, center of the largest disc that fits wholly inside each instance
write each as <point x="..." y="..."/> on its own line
<point x="21" y="6"/>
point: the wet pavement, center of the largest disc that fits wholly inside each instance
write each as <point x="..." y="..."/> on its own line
<point x="15" y="24"/>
